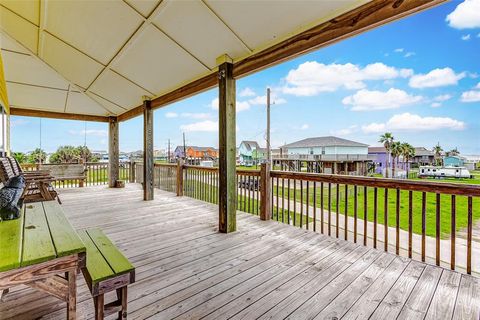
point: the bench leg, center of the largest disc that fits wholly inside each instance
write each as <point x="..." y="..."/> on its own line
<point x="99" y="303"/>
<point x="72" y="294"/>
<point x="122" y="299"/>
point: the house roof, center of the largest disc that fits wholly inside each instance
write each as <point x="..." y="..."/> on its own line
<point x="196" y="148"/>
<point x="250" y="145"/>
<point x="328" y="141"/>
<point x="102" y="58"/>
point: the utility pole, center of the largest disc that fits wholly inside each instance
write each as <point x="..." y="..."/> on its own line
<point x="269" y="159"/>
<point x="168" y="154"/>
<point x="184" y="148"/>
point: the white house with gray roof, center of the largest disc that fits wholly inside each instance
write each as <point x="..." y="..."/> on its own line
<point x="327" y="155"/>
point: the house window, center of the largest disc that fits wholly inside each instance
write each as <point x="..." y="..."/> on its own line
<point x="311" y="150"/>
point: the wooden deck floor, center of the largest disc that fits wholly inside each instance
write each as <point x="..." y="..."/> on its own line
<point x="187" y="270"/>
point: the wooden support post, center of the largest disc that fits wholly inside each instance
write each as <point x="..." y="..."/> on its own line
<point x="113" y="152"/>
<point x="147" y="150"/>
<point x="227" y="196"/>
<point x="265" y="192"/>
<point x="132" y="171"/>
<point x="179" y="178"/>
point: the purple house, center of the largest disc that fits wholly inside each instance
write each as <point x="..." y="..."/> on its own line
<point x="381" y="157"/>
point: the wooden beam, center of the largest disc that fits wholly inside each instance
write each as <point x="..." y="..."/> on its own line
<point x="56" y="115"/>
<point x="265" y="192"/>
<point x="113" y="152"/>
<point x="366" y="17"/>
<point x="227" y="202"/>
<point x="147" y="150"/>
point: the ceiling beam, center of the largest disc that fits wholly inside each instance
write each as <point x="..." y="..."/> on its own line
<point x="366" y="17"/>
<point x="56" y="115"/>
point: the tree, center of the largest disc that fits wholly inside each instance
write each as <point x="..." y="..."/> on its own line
<point x="453" y="152"/>
<point x="65" y="154"/>
<point x="437" y="150"/>
<point x="387" y="140"/>
<point x="395" y="151"/>
<point x="37" y="156"/>
<point x="408" y="152"/>
<point x="20" y="157"/>
<point x="84" y="154"/>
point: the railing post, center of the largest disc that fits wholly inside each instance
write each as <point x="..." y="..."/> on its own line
<point x="132" y="171"/>
<point x="265" y="192"/>
<point x="179" y="178"/>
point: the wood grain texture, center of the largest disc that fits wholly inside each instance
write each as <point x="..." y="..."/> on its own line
<point x="56" y="115"/>
<point x="113" y="152"/>
<point x="147" y="151"/>
<point x="186" y="268"/>
<point x="11" y="243"/>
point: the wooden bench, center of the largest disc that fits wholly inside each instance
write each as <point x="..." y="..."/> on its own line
<point x="64" y="172"/>
<point x="107" y="270"/>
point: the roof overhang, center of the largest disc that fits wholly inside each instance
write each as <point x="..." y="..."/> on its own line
<point x="95" y="59"/>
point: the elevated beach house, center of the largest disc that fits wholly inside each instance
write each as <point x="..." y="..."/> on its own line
<point x="250" y="153"/>
<point x="328" y="154"/>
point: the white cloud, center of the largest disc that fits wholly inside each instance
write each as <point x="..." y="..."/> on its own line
<point x="409" y="54"/>
<point x="202" y="126"/>
<point x="465" y="16"/>
<point x="345" y="132"/>
<point x="399" y="50"/>
<point x="89" y="132"/>
<point x="413" y="122"/>
<point x="240" y="105"/>
<point x="436" y="105"/>
<point x="442" y="97"/>
<point x="466" y="37"/>
<point x="304" y="127"/>
<point x="262" y="100"/>
<point x="436" y="78"/>
<point x="196" y="115"/>
<point x="470" y="96"/>
<point x="247" y="92"/>
<point x="171" y="115"/>
<point x="366" y="100"/>
<point x="312" y="78"/>
<point x="477" y="86"/>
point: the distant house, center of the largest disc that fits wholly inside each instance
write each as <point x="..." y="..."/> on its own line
<point x="454" y="161"/>
<point x="423" y="157"/>
<point x="327" y="155"/>
<point x="381" y="157"/>
<point x="250" y="153"/>
<point x="194" y="152"/>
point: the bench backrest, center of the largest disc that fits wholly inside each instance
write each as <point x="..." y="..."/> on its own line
<point x="15" y="165"/>
<point x="65" y="170"/>
<point x="6" y="170"/>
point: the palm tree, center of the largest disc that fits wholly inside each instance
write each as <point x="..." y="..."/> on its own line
<point x="453" y="152"/>
<point x="20" y="157"/>
<point x="396" y="151"/>
<point x="387" y="140"/>
<point x="37" y="156"/>
<point x="408" y="152"/>
<point x="437" y="153"/>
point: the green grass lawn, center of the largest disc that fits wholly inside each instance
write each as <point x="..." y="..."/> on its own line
<point x="445" y="207"/>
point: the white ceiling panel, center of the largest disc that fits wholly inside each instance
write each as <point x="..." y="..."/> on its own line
<point x="117" y="89"/>
<point x="31" y="70"/>
<point x="263" y="22"/>
<point x="29" y="9"/>
<point x="157" y="63"/>
<point x="29" y="97"/>
<point x="72" y="64"/>
<point x="97" y="28"/>
<point x="80" y="103"/>
<point x="113" y="108"/>
<point x="11" y="45"/>
<point x="20" y="29"/>
<point x="199" y="30"/>
<point x="145" y="7"/>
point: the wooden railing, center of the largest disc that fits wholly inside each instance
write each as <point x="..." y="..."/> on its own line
<point x="424" y="220"/>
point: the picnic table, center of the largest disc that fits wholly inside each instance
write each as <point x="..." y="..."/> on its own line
<point x="43" y="251"/>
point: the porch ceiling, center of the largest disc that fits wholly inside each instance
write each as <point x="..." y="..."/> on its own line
<point x="101" y="57"/>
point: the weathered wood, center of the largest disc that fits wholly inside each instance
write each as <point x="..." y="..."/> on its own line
<point x="468" y="299"/>
<point x="72" y="294"/>
<point x="180" y="178"/>
<point x="265" y="192"/>
<point x="113" y="152"/>
<point x="55" y="286"/>
<point x="11" y="242"/>
<point x="443" y="302"/>
<point x="147" y="151"/>
<point x="227" y="202"/>
<point x="56" y="115"/>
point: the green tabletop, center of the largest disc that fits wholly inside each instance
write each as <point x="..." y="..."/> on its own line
<point x="41" y="234"/>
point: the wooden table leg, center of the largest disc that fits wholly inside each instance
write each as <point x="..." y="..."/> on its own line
<point x="99" y="303"/>
<point x="122" y="299"/>
<point x="72" y="295"/>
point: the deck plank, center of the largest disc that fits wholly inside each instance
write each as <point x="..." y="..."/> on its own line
<point x="266" y="269"/>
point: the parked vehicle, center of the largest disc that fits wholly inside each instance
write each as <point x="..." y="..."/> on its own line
<point x="443" y="172"/>
<point x="253" y="185"/>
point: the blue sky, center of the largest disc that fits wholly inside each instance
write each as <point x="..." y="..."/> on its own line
<point x="418" y="78"/>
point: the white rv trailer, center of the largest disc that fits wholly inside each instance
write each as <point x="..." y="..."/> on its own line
<point x="443" y="172"/>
